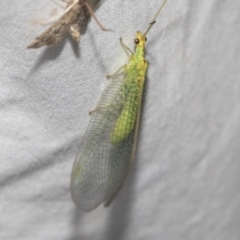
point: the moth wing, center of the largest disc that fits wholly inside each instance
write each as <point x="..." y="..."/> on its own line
<point x="79" y="23"/>
<point x="101" y="167"/>
<point x="55" y="33"/>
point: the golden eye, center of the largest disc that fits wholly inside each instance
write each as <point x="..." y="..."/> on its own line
<point x="136" y="41"/>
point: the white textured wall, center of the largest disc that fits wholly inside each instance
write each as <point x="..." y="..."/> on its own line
<point x="184" y="184"/>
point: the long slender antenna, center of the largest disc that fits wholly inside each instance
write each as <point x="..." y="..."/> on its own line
<point x="155" y="17"/>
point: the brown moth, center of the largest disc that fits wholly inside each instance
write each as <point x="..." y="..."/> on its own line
<point x="74" y="19"/>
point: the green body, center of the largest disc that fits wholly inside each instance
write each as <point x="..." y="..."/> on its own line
<point x="132" y="91"/>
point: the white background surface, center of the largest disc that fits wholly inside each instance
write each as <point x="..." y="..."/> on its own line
<point x="185" y="180"/>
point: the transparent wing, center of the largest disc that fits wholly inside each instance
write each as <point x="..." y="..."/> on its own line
<point x="101" y="167"/>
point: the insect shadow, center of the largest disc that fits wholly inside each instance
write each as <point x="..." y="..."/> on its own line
<point x="49" y="54"/>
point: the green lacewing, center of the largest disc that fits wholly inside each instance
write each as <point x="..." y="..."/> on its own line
<point x="107" y="150"/>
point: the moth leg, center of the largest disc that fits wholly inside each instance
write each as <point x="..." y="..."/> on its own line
<point x="126" y="49"/>
<point x="94" y="16"/>
<point x="116" y="73"/>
